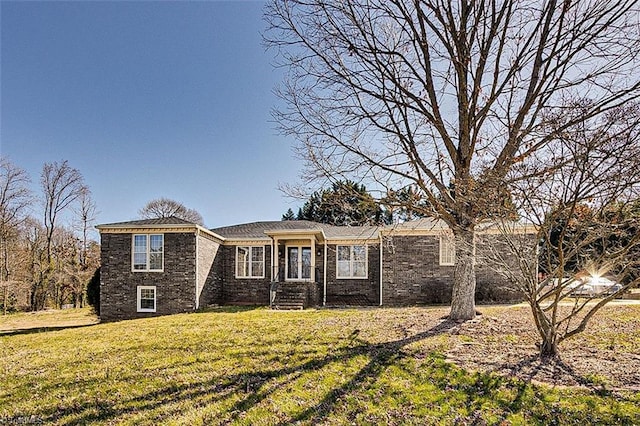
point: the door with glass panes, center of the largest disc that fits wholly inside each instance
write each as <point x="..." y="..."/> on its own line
<point x="298" y="263"/>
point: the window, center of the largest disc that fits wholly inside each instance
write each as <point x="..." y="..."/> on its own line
<point x="250" y="262"/>
<point x="146" y="298"/>
<point x="352" y="261"/>
<point x="447" y="250"/>
<point x="148" y="252"/>
<point x="298" y="263"/>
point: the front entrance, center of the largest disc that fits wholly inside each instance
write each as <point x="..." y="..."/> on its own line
<point x="298" y="262"/>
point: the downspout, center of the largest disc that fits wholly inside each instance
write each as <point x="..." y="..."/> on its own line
<point x="324" y="280"/>
<point x="272" y="264"/>
<point x="271" y="289"/>
<point x="381" y="263"/>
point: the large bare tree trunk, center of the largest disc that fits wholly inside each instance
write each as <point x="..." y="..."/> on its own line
<point x="463" y="305"/>
<point x="6" y="300"/>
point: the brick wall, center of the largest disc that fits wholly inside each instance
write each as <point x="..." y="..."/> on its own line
<point x="494" y="255"/>
<point x="413" y="275"/>
<point x="244" y="291"/>
<point x="209" y="272"/>
<point x="354" y="291"/>
<point x="175" y="287"/>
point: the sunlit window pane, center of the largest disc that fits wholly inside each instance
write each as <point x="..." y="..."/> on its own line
<point x="250" y="262"/>
<point x="352" y="261"/>
<point x="147" y="252"/>
<point x="292" y="267"/>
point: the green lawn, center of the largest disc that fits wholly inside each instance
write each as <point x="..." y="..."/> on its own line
<point x="256" y="366"/>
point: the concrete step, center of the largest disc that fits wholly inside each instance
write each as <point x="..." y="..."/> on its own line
<point x="300" y="299"/>
<point x="291" y="296"/>
<point x="288" y="306"/>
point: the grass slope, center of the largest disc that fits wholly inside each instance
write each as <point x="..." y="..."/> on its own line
<point x="261" y="367"/>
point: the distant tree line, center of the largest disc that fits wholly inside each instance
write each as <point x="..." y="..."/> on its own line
<point x="47" y="256"/>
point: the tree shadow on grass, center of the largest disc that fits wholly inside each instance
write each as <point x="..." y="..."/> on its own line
<point x="252" y="388"/>
<point x="382" y="356"/>
<point x="241" y="392"/>
<point x="553" y="371"/>
<point x="32" y="330"/>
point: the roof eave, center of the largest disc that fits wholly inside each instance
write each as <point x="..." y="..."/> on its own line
<point x="182" y="226"/>
<point x="293" y="233"/>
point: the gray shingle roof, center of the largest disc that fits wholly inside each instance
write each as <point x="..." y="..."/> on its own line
<point x="347" y="232"/>
<point x="172" y="220"/>
<point x="259" y="229"/>
<point x="422" y="224"/>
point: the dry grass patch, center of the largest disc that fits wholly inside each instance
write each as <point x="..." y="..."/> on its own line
<point x="46" y="320"/>
<point x="605" y="356"/>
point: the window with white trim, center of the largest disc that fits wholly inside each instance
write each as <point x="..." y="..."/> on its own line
<point x="148" y="253"/>
<point x="447" y="250"/>
<point x="250" y="262"/>
<point x="352" y="261"/>
<point x="146" y="298"/>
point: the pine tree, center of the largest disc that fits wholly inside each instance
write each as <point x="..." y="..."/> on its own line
<point x="346" y="203"/>
<point x="289" y="215"/>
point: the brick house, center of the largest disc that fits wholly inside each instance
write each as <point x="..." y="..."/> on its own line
<point x="164" y="266"/>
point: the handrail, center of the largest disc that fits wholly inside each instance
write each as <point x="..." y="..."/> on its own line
<point x="273" y="289"/>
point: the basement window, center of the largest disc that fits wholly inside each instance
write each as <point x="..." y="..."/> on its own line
<point x="146" y="298"/>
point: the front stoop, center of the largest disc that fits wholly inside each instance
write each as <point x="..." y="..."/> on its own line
<point x="292" y="295"/>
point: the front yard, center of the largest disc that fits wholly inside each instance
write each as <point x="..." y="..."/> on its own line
<point x="368" y="366"/>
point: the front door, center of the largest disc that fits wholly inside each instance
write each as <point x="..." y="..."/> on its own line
<point x="298" y="263"/>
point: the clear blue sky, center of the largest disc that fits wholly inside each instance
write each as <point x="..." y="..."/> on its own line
<point x="147" y="99"/>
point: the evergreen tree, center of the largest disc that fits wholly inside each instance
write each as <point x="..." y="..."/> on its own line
<point x="289" y="215"/>
<point x="346" y="203"/>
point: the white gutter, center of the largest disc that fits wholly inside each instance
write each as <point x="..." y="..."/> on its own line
<point x="272" y="263"/>
<point x="324" y="281"/>
<point x="183" y="227"/>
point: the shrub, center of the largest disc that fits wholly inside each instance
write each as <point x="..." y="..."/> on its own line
<point x="93" y="291"/>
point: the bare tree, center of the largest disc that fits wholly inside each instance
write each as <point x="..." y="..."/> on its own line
<point x="15" y="198"/>
<point x="88" y="256"/>
<point x="447" y="96"/>
<point x="62" y="186"/>
<point x="587" y="217"/>
<point x="73" y="266"/>
<point x="86" y="216"/>
<point x="165" y="207"/>
<point x="37" y="265"/>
